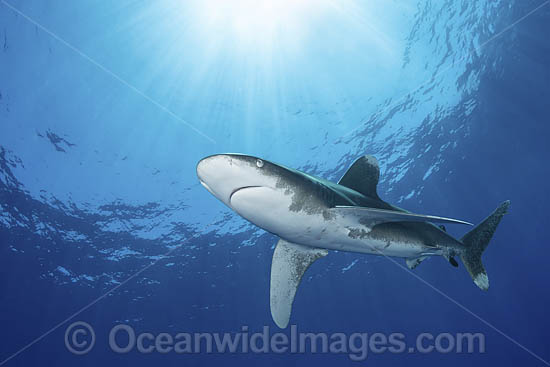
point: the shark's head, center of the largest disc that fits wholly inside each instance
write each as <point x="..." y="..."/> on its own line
<point x="263" y="192"/>
<point x="226" y="174"/>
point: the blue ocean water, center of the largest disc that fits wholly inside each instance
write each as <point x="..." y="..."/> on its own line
<point x="105" y="109"/>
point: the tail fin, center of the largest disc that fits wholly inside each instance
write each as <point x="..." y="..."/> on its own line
<point x="476" y="242"/>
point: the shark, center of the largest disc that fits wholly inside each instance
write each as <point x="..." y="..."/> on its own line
<point x="311" y="216"/>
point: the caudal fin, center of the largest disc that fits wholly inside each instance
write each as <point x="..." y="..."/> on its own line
<point x="476" y="242"/>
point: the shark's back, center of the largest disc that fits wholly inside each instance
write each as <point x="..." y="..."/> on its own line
<point x="358" y="186"/>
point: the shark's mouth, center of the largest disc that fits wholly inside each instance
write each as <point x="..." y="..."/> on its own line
<point x="240" y="189"/>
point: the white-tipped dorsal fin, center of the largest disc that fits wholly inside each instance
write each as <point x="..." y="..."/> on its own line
<point x="363" y="176"/>
<point x="371" y="216"/>
<point x="290" y="261"/>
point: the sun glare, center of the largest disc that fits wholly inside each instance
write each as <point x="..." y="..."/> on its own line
<point x="258" y="20"/>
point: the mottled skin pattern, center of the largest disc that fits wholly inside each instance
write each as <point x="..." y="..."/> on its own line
<point x="313" y="195"/>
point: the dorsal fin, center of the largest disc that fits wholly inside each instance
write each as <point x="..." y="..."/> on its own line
<point x="363" y="176"/>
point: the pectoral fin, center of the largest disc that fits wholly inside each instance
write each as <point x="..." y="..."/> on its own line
<point x="290" y="261"/>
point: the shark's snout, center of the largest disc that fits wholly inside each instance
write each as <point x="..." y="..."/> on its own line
<point x="205" y="169"/>
<point x="215" y="173"/>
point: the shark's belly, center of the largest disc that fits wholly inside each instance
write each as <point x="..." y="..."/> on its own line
<point x="322" y="230"/>
<point x="283" y="215"/>
<point x="317" y="226"/>
<point x="378" y="247"/>
<point x="335" y="236"/>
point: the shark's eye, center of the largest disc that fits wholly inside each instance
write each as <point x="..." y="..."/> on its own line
<point x="259" y="163"/>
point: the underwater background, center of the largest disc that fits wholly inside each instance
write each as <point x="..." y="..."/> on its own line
<point x="106" y="107"/>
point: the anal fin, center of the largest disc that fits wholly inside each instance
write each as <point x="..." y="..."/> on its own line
<point x="290" y="262"/>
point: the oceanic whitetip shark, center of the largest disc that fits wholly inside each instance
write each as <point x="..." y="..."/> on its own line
<point x="312" y="215"/>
